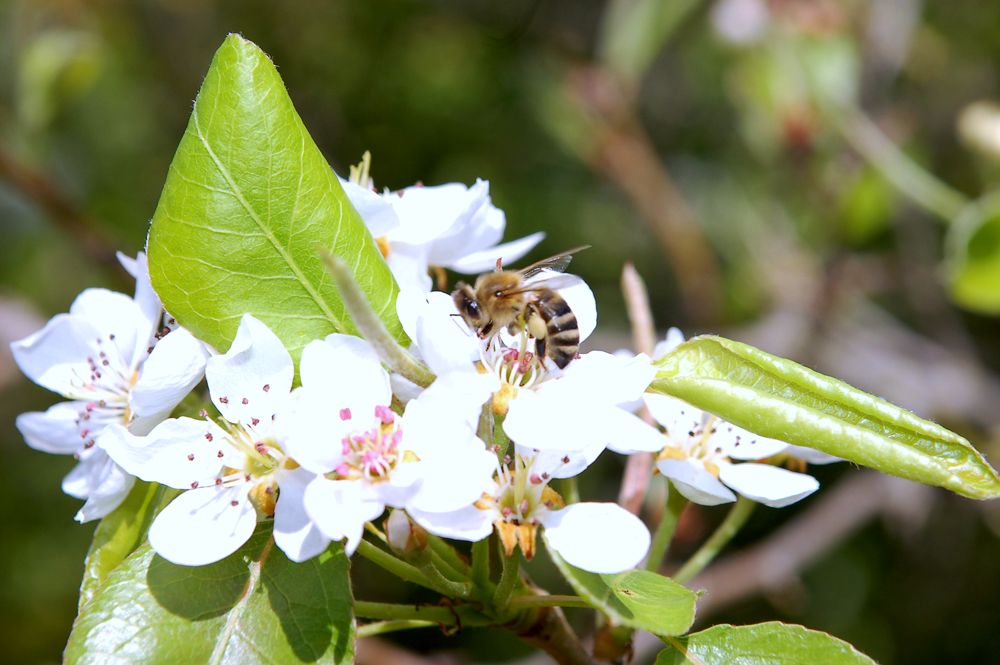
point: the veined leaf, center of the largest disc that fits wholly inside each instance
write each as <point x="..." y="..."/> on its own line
<point x="255" y="606"/>
<point x="771" y="643"/>
<point x="248" y="205"/>
<point x="781" y="399"/>
<point x="635" y="598"/>
<point x="120" y="533"/>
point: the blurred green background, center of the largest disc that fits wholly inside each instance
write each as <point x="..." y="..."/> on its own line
<point x="810" y="176"/>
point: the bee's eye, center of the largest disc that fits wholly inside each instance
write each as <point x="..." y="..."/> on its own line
<point x="472" y="307"/>
<point x="498" y="294"/>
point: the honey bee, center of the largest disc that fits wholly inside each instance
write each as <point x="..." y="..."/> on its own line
<point x="505" y="299"/>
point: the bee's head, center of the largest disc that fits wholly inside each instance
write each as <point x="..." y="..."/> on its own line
<point x="466" y="304"/>
<point x="499" y="295"/>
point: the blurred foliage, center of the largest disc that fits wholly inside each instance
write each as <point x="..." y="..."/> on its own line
<point x="813" y="143"/>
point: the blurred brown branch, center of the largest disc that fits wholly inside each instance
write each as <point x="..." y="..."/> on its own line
<point x="621" y="150"/>
<point x="38" y="189"/>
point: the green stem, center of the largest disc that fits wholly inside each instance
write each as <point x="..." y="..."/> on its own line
<point x="524" y="602"/>
<point x="456" y="615"/>
<point x="570" y="490"/>
<point x="734" y="521"/>
<point x="406" y="571"/>
<point x="508" y="578"/>
<point x="481" y="563"/>
<point x="665" y="529"/>
<point x="370" y="325"/>
<point x="461" y="588"/>
<point x="381" y="627"/>
<point x="448" y="555"/>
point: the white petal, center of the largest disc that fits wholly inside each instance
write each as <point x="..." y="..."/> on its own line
<point x="677" y="416"/>
<point x="347" y="371"/>
<point x="811" y="455"/>
<point x="176" y="453"/>
<point x="410" y="305"/>
<point x="627" y="433"/>
<point x="409" y="266"/>
<point x="530" y="423"/>
<point x="175" y="366"/>
<point x="673" y="339"/>
<point x="768" y="484"/>
<point x="453" y="481"/>
<point x="738" y="443"/>
<point x="426" y="213"/>
<point x="561" y="463"/>
<point x="256" y="370"/>
<point x="339" y="510"/>
<point x="599" y="537"/>
<point x="109" y="484"/>
<point x="116" y="314"/>
<point x="55" y="357"/>
<point x="603" y="377"/>
<point x="145" y="297"/>
<point x="374" y="209"/>
<point x="695" y="482"/>
<point x="453" y="401"/>
<point x="485" y="260"/>
<point x="294" y="532"/>
<point x="55" y="431"/>
<point x="469" y="523"/>
<point x="445" y="341"/>
<point x="477" y="227"/>
<point x="203" y="526"/>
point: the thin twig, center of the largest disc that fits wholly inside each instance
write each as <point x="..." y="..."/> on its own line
<point x="639" y="467"/>
<point x="85" y="232"/>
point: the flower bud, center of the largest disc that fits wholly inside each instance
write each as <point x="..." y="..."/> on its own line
<point x="405" y="537"/>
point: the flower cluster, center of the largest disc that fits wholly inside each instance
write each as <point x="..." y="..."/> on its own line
<point x="477" y="451"/>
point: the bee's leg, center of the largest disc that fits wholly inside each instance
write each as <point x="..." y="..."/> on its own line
<point x="485" y="330"/>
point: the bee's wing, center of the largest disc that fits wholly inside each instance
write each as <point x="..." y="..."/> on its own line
<point x="557" y="263"/>
<point x="547" y="279"/>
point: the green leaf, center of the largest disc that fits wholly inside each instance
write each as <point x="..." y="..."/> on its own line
<point x="771" y="643"/>
<point x="119" y="534"/>
<point x="634" y="598"/>
<point x="973" y="251"/>
<point x="778" y="398"/>
<point x="255" y="606"/>
<point x="248" y="204"/>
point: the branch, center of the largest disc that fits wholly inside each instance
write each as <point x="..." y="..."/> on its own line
<point x="87" y="233"/>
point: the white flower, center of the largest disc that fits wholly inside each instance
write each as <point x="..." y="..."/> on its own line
<point x="599" y="537"/>
<point x="341" y="427"/>
<point x="572" y="412"/>
<point x="698" y="458"/>
<point x="448" y="226"/>
<point x="235" y="471"/>
<point x="110" y="358"/>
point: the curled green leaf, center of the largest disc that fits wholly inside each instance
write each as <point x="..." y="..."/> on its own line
<point x="781" y="399"/>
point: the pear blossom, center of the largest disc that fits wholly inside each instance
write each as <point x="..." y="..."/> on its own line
<point x="341" y="427"/>
<point x="235" y="471"/>
<point x="570" y="412"/>
<point x="599" y="537"/>
<point x="700" y="449"/>
<point x="448" y="226"/>
<point x="110" y="357"/>
<point x="699" y="454"/>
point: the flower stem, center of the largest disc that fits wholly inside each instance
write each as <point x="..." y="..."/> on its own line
<point x="448" y="555"/>
<point x="665" y="529"/>
<point x="570" y="490"/>
<point x="522" y="602"/>
<point x="508" y="578"/>
<point x="455" y="615"/>
<point x="371" y="326"/>
<point x="734" y="521"/>
<point x="381" y="627"/>
<point x="481" y="563"/>
<point x="408" y="572"/>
